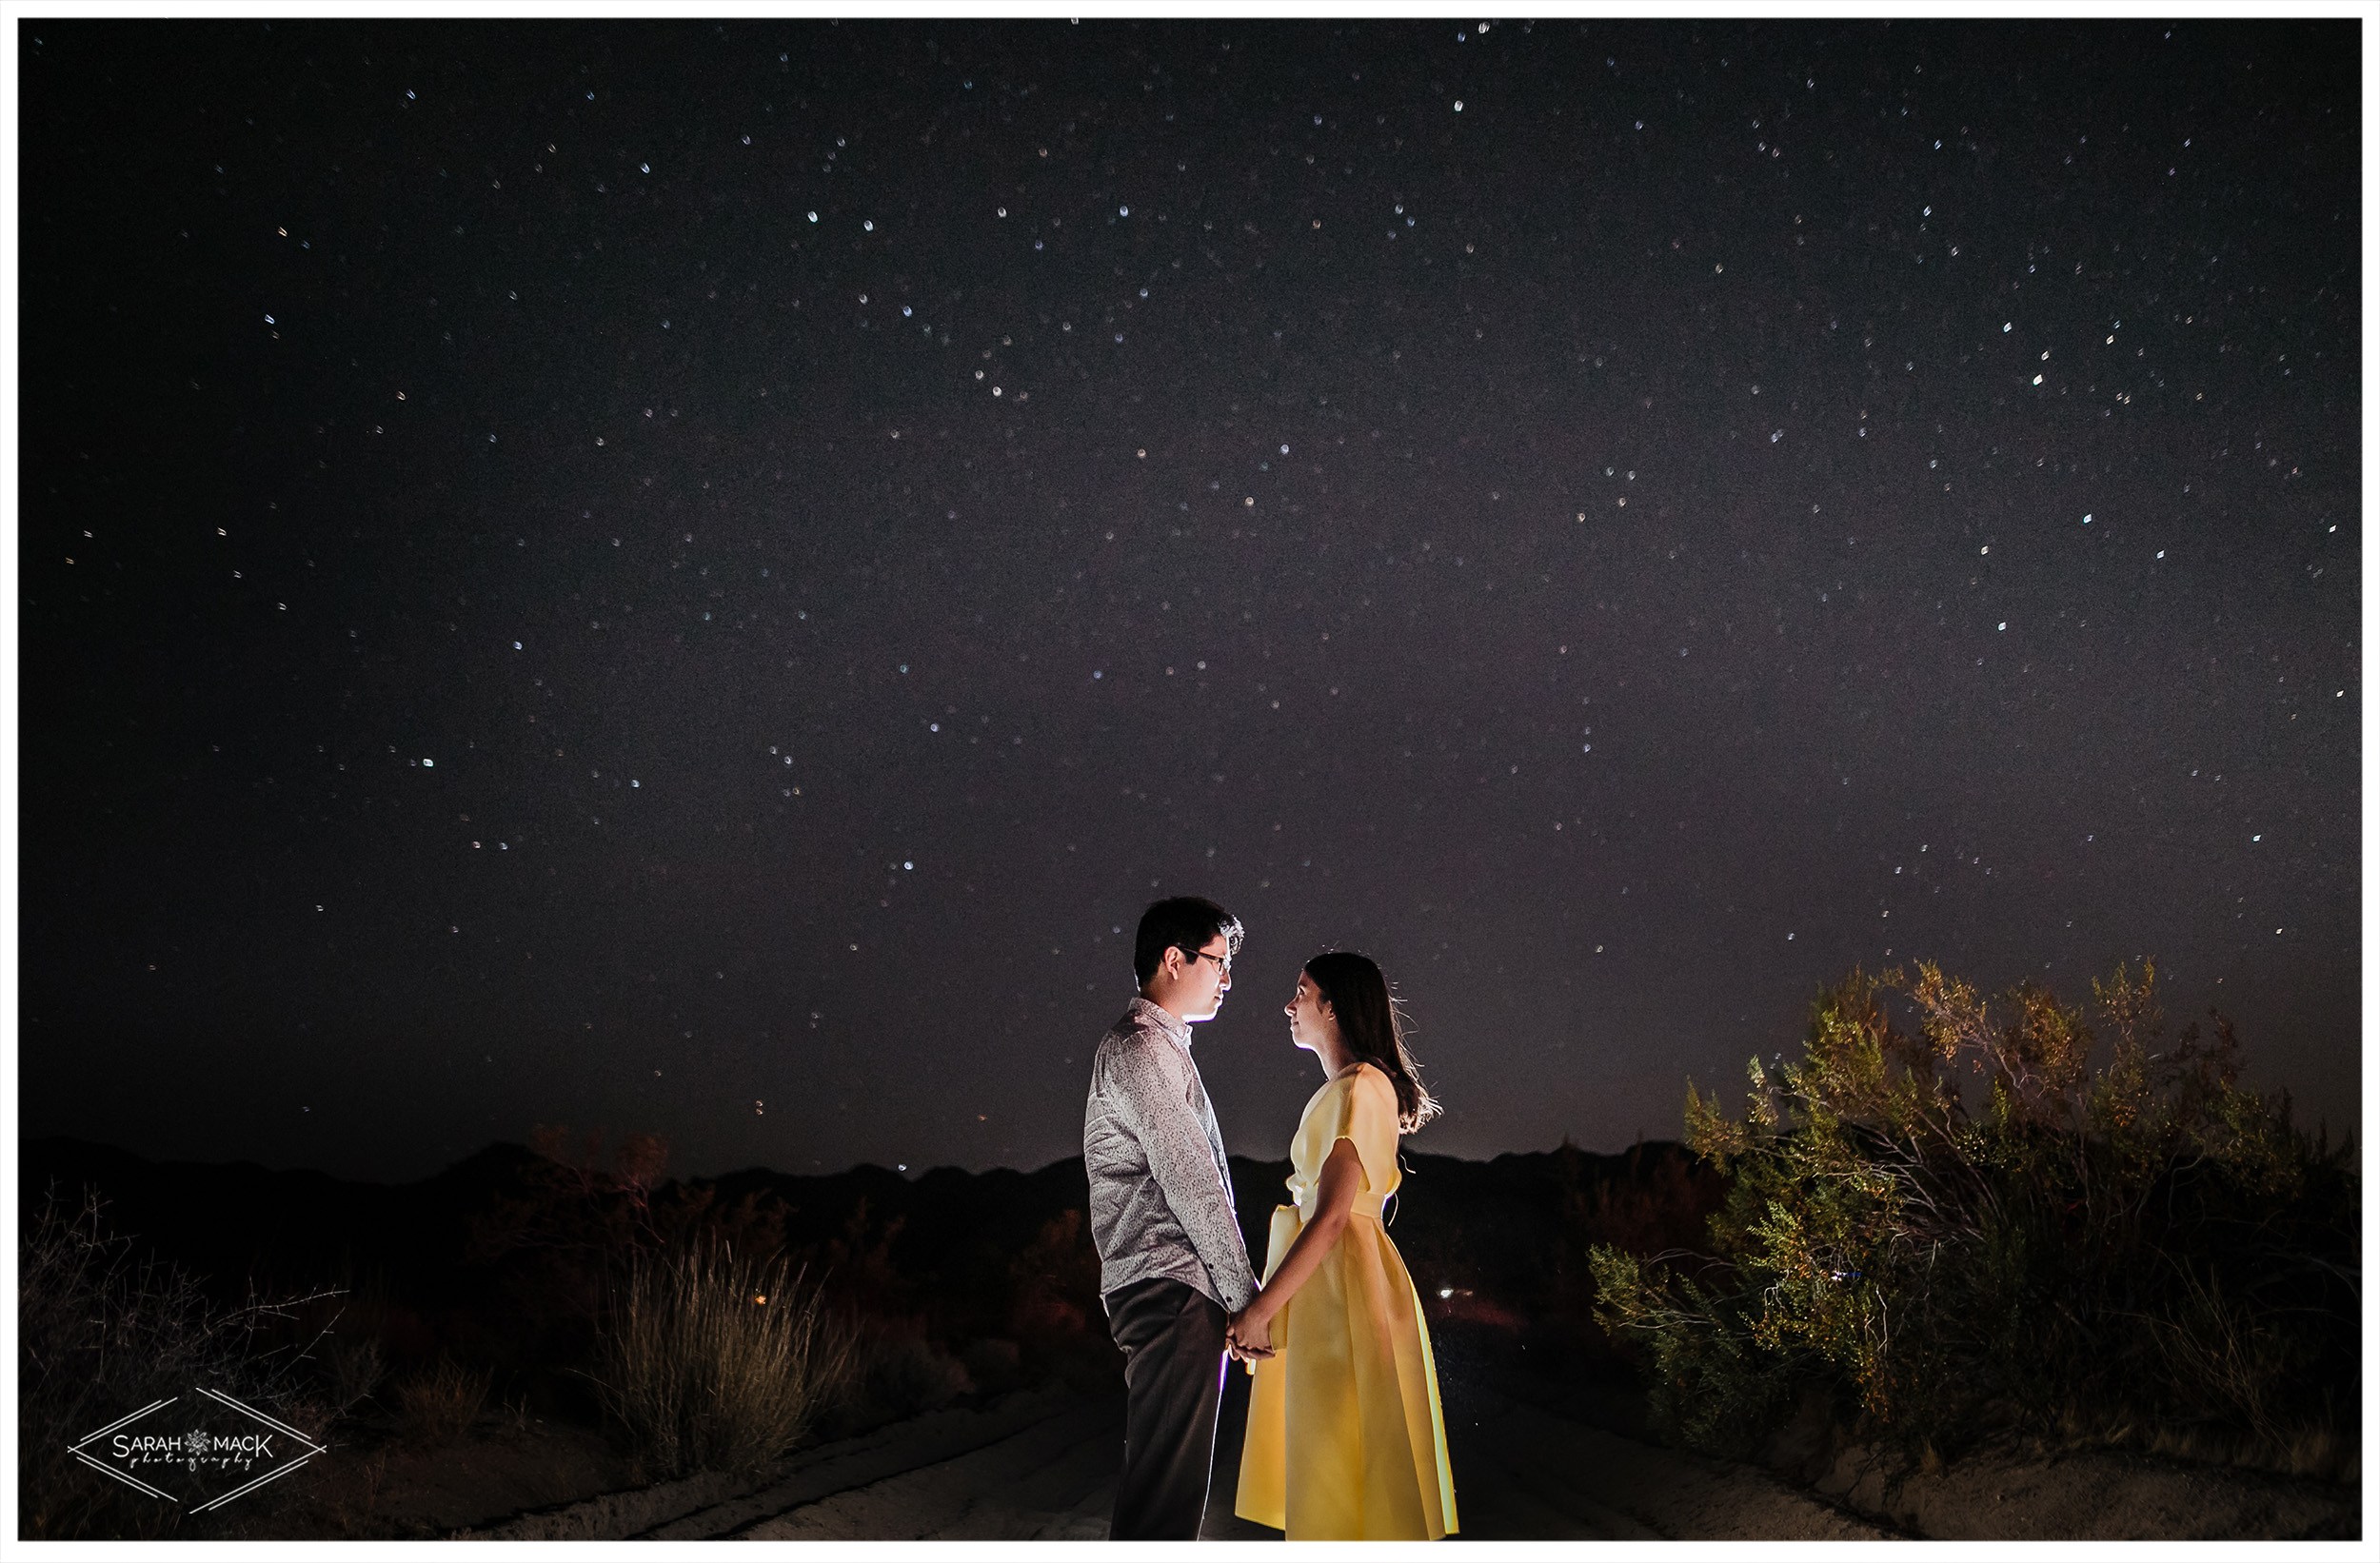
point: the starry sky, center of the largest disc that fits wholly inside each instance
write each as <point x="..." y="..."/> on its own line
<point x="697" y="578"/>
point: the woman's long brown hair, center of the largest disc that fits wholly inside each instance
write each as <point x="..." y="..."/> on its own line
<point x="1371" y="1025"/>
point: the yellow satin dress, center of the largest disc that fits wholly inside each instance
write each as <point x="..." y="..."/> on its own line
<point x="1346" y="1441"/>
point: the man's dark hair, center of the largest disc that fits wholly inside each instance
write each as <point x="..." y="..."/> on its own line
<point x="1186" y="921"/>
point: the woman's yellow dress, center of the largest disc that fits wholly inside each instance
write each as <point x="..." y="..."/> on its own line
<point x="1345" y="1437"/>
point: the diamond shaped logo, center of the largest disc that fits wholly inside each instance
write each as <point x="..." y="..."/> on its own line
<point x="198" y="1450"/>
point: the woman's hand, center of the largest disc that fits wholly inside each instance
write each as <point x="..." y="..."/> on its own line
<point x="1250" y="1332"/>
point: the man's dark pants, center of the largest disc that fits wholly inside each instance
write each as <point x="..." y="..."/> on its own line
<point x="1171" y="1337"/>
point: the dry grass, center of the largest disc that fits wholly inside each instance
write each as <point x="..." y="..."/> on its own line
<point x="350" y="1367"/>
<point x="439" y="1405"/>
<point x="2315" y="1449"/>
<point x="101" y="1332"/>
<point x="714" y="1361"/>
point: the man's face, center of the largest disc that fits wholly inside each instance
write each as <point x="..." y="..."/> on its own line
<point x="1205" y="977"/>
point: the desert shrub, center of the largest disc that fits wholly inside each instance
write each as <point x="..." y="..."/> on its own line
<point x="902" y="1372"/>
<point x="713" y="1361"/>
<point x="994" y="1365"/>
<point x="2125" y="1253"/>
<point x="102" y="1332"/>
<point x="439" y="1404"/>
<point x="1658" y="1197"/>
<point x="350" y="1362"/>
<point x="1054" y="1281"/>
<point x="554" y="1233"/>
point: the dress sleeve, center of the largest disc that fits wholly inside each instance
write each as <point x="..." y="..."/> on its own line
<point x="1366" y="1114"/>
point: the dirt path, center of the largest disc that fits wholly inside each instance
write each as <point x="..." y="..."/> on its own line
<point x="1042" y="1465"/>
<point x="1534" y="1474"/>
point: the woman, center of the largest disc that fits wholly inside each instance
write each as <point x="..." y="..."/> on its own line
<point x="1345" y="1437"/>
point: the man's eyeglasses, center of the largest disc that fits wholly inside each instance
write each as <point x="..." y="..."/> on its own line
<point x="1221" y="960"/>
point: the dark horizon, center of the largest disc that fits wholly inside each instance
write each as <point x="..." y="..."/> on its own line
<point x="672" y="1172"/>
<point x="695" y="578"/>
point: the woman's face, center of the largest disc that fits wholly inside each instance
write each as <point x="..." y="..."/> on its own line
<point x="1310" y="1017"/>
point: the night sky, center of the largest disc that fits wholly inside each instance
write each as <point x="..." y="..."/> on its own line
<point x="697" y="578"/>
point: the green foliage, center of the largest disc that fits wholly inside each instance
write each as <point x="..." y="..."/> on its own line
<point x="1958" y="1227"/>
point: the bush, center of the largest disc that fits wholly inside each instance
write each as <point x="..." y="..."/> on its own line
<point x="352" y="1366"/>
<point x="439" y="1405"/>
<point x="901" y="1374"/>
<point x="101" y="1333"/>
<point x="714" y="1362"/>
<point x="2146" y="1254"/>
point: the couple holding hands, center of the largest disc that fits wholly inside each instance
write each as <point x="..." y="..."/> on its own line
<point x="1345" y="1437"/>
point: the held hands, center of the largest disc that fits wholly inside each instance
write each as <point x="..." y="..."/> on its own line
<point x="1250" y="1333"/>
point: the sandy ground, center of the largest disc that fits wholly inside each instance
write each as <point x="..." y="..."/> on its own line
<point x="2093" y="1497"/>
<point x="1041" y="1464"/>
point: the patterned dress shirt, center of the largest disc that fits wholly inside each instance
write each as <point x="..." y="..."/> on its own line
<point x="1161" y="1188"/>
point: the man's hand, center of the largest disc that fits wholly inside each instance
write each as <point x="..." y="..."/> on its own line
<point x="1250" y="1333"/>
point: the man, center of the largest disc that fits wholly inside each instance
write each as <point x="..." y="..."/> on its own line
<point x="1172" y="1264"/>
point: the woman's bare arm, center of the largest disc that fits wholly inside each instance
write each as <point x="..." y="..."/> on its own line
<point x="1334" y="1198"/>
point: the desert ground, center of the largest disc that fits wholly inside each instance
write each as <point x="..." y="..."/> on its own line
<point x="495" y="1262"/>
<point x="1041" y="1463"/>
